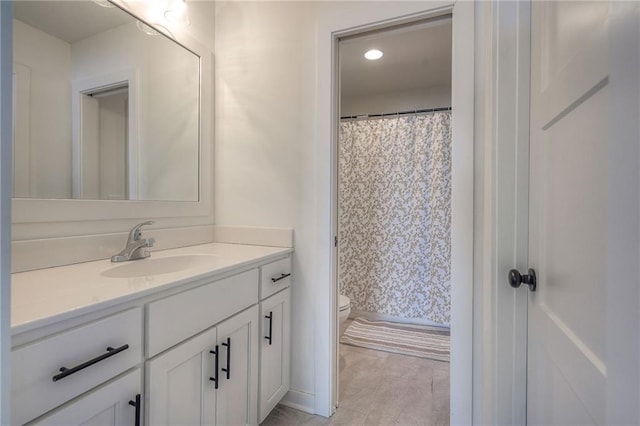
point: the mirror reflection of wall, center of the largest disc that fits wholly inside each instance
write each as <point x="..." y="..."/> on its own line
<point x="77" y="133"/>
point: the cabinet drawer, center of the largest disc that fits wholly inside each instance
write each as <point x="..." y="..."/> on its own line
<point x="83" y="352"/>
<point x="111" y="404"/>
<point x="179" y="317"/>
<point x="274" y="277"/>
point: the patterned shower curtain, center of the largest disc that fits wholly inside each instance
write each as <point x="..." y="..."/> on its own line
<point x="394" y="201"/>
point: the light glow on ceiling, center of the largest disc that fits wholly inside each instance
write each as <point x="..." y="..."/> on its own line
<point x="177" y="13"/>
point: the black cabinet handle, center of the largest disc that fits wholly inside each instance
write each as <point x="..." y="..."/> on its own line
<point x="136" y="404"/>
<point x="270" y="318"/>
<point x="281" y="277"/>
<point x="214" y="379"/>
<point x="64" y="371"/>
<point x="228" y="369"/>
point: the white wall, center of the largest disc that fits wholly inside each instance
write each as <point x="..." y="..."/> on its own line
<point x="271" y="167"/>
<point x="48" y="60"/>
<point x="406" y="100"/>
<point x="167" y="86"/>
<point x="264" y="149"/>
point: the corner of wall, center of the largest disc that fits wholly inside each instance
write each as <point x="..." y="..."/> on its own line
<point x="300" y="401"/>
<point x="258" y="236"/>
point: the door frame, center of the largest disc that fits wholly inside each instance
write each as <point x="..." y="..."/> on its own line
<point x="462" y="221"/>
<point x="88" y="85"/>
<point x="501" y="219"/>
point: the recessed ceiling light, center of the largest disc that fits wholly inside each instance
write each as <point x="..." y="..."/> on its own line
<point x="373" y="54"/>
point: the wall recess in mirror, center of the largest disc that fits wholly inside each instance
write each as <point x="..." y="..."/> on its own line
<point x="103" y="109"/>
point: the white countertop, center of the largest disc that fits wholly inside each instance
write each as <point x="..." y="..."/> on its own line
<point x="46" y="296"/>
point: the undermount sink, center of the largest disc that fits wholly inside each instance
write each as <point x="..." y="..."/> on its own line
<point x="158" y="266"/>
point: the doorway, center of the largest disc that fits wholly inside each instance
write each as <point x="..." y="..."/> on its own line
<point x="461" y="194"/>
<point x="104" y="141"/>
<point x="394" y="221"/>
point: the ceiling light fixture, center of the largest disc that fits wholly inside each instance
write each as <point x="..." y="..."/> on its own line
<point x="373" y="54"/>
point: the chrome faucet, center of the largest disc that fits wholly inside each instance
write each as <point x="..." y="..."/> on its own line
<point x="136" y="247"/>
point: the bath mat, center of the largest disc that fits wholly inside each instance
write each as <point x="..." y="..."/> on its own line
<point x="423" y="341"/>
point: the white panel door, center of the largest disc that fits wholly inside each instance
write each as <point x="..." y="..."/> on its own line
<point x="179" y="383"/>
<point x="237" y="396"/>
<point x="570" y="130"/>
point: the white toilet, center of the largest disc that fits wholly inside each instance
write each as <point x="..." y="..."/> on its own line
<point x="345" y="310"/>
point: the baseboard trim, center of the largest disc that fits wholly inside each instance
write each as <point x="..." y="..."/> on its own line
<point x="257" y="236"/>
<point x="299" y="400"/>
<point x="374" y="316"/>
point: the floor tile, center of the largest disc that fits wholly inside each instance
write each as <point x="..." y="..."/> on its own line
<point x="381" y="388"/>
<point x="285" y="416"/>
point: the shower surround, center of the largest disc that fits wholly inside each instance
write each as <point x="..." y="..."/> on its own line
<point x="395" y="215"/>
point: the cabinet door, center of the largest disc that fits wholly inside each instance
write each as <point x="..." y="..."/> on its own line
<point x="237" y="399"/>
<point x="108" y="405"/>
<point x="179" y="383"/>
<point x="275" y="346"/>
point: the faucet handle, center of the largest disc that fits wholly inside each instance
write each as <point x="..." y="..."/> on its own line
<point x="134" y="235"/>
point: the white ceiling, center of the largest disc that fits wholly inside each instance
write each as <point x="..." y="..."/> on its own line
<point x="69" y="20"/>
<point x="416" y="56"/>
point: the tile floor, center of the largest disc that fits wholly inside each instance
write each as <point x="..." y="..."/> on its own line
<point x="381" y="388"/>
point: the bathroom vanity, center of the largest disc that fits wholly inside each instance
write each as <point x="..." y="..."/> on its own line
<point x="195" y="335"/>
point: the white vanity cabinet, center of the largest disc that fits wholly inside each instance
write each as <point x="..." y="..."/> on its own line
<point x="198" y="383"/>
<point x="275" y="340"/>
<point x="192" y="353"/>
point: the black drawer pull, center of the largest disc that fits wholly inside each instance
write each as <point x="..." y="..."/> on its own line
<point x="136" y="404"/>
<point x="281" y="277"/>
<point x="228" y="369"/>
<point x="64" y="371"/>
<point x="270" y="318"/>
<point x="214" y="379"/>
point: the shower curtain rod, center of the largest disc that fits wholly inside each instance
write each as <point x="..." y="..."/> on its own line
<point x="387" y="114"/>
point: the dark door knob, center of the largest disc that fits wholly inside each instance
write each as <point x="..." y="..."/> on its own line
<point x="516" y="279"/>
